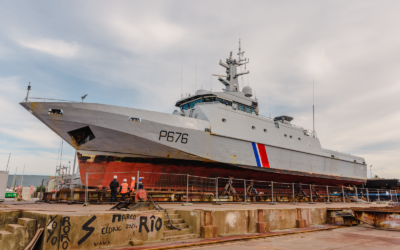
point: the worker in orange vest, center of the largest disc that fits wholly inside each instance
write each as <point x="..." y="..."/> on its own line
<point x="124" y="188"/>
<point x="133" y="184"/>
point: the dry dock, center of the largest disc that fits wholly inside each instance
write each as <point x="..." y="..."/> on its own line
<point x="91" y="227"/>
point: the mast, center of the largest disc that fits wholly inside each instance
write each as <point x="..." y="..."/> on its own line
<point x="232" y="82"/>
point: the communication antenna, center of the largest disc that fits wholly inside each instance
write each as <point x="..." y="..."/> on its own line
<point x="83" y="97"/>
<point x="195" y="74"/>
<point x="181" y="74"/>
<point x="29" y="89"/>
<point x="314" y="134"/>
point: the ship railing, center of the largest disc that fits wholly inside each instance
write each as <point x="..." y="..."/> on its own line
<point x="48" y="99"/>
<point x="189" y="188"/>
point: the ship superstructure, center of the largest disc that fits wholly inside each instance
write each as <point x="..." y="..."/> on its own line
<point x="212" y="134"/>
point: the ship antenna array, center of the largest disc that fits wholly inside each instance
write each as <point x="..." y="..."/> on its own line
<point x="314" y="134"/>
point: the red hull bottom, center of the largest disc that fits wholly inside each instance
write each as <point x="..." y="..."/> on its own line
<point x="103" y="168"/>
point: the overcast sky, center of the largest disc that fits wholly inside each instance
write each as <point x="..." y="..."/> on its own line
<point x="130" y="53"/>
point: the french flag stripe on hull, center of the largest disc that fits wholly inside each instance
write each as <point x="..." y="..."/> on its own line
<point x="261" y="155"/>
<point x="256" y="154"/>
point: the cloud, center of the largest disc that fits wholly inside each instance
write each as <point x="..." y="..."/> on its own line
<point x="57" y="48"/>
<point x="134" y="54"/>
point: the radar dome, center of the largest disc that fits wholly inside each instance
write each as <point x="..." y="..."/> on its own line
<point x="247" y="91"/>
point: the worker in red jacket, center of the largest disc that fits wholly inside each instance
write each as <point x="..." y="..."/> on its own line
<point x="124" y="189"/>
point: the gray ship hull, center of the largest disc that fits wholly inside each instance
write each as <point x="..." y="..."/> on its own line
<point x="127" y="140"/>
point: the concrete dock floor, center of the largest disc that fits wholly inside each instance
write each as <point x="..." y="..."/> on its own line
<point x="350" y="238"/>
<point x="64" y="207"/>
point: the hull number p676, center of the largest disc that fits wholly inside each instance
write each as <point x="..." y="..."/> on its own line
<point x="170" y="136"/>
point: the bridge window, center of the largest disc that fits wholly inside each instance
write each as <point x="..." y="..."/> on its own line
<point x="241" y="108"/>
<point x="208" y="99"/>
<point x="191" y="105"/>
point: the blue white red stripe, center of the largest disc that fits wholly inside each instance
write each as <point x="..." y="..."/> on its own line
<point x="261" y="155"/>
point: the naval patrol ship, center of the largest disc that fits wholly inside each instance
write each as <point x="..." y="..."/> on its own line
<point x="210" y="134"/>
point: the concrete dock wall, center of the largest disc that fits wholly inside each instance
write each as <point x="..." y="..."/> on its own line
<point x="90" y="231"/>
<point x="235" y="222"/>
<point x="85" y="230"/>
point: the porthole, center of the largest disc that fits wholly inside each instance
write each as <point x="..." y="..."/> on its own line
<point x="285" y="135"/>
<point x="254" y="128"/>
<point x="290" y="137"/>
<point x="299" y="139"/>
<point x="223" y="120"/>
<point x="265" y="130"/>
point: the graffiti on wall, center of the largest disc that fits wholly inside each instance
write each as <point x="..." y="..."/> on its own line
<point x="52" y="232"/>
<point x="108" y="230"/>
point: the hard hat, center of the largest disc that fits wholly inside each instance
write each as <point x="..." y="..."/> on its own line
<point x="133" y="178"/>
<point x="124" y="180"/>
<point x="140" y="178"/>
<point x="115" y="177"/>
